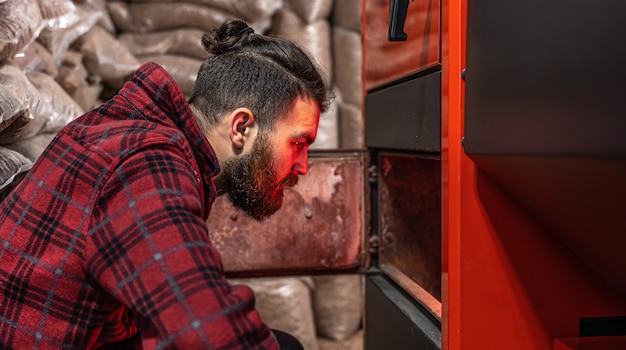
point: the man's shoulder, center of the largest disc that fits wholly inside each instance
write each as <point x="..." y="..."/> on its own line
<point x="116" y="126"/>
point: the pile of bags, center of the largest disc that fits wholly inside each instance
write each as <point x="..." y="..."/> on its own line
<point x="60" y="58"/>
<point x="323" y="312"/>
<point x="40" y="90"/>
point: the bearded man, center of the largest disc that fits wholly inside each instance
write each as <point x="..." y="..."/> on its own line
<point x="105" y="245"/>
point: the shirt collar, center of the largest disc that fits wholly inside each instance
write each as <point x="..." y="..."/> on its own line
<point x="163" y="101"/>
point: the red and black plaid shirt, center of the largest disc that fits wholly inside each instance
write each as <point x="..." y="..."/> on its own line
<point x="106" y="240"/>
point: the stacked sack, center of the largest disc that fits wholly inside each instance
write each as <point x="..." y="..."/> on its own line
<point x="60" y="58"/>
<point x="323" y="312"/>
<point x="35" y="36"/>
<point x="170" y="32"/>
<point x="348" y="63"/>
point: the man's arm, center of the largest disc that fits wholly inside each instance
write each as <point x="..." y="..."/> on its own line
<point x="149" y="248"/>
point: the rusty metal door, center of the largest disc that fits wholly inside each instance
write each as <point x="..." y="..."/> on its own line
<point x="322" y="226"/>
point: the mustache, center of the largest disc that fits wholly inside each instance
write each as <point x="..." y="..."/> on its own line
<point x="290" y="180"/>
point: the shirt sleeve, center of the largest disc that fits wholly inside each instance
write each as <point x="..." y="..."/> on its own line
<point x="149" y="248"/>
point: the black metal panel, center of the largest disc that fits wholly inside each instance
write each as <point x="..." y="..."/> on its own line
<point x="603" y="326"/>
<point x="544" y="117"/>
<point x="406" y="116"/>
<point x="546" y="77"/>
<point x="395" y="321"/>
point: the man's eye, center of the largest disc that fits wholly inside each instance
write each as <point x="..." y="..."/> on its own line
<point x="299" y="144"/>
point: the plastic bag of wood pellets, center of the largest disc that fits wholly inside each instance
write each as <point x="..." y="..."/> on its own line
<point x="13" y="167"/>
<point x="73" y="76"/>
<point x="248" y="9"/>
<point x="10" y="106"/>
<point x="355" y="342"/>
<point x="183" y="69"/>
<point x="16" y="128"/>
<point x="152" y="17"/>
<point x="348" y="14"/>
<point x="35" y="57"/>
<point x="351" y="126"/>
<point x="14" y="98"/>
<point x="311" y="10"/>
<point x="61" y="110"/>
<point x="100" y="6"/>
<point x="285" y="304"/>
<point x="57" y="39"/>
<point x="328" y="129"/>
<point x="32" y="121"/>
<point x="18" y="97"/>
<point x="55" y="9"/>
<point x="185" y="42"/>
<point x="88" y="97"/>
<point x="20" y="23"/>
<point x="33" y="147"/>
<point x="347" y="55"/>
<point x="105" y="57"/>
<point x="312" y="37"/>
<point x="337" y="305"/>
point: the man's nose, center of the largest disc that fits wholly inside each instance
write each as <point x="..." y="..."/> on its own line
<point x="301" y="166"/>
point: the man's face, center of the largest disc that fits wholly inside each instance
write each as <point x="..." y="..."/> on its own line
<point x="255" y="181"/>
<point x="253" y="184"/>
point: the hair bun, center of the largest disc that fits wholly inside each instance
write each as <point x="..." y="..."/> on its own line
<point x="247" y="30"/>
<point x="227" y="37"/>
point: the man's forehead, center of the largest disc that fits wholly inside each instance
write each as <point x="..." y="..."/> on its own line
<point x="302" y="120"/>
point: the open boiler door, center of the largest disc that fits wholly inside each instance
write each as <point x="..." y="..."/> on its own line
<point x="374" y="211"/>
<point x="321" y="228"/>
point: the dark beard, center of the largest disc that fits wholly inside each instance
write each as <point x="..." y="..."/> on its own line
<point x="252" y="184"/>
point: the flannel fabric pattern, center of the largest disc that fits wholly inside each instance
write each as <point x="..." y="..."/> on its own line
<point x="105" y="242"/>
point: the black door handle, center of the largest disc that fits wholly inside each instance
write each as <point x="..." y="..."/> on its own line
<point x="397" y="16"/>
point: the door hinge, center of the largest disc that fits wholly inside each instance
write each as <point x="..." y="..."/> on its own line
<point x="374" y="244"/>
<point x="372" y="174"/>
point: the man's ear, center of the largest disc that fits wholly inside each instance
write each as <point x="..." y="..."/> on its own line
<point x="241" y="121"/>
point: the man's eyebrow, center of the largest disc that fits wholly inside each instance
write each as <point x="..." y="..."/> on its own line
<point x="304" y="135"/>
